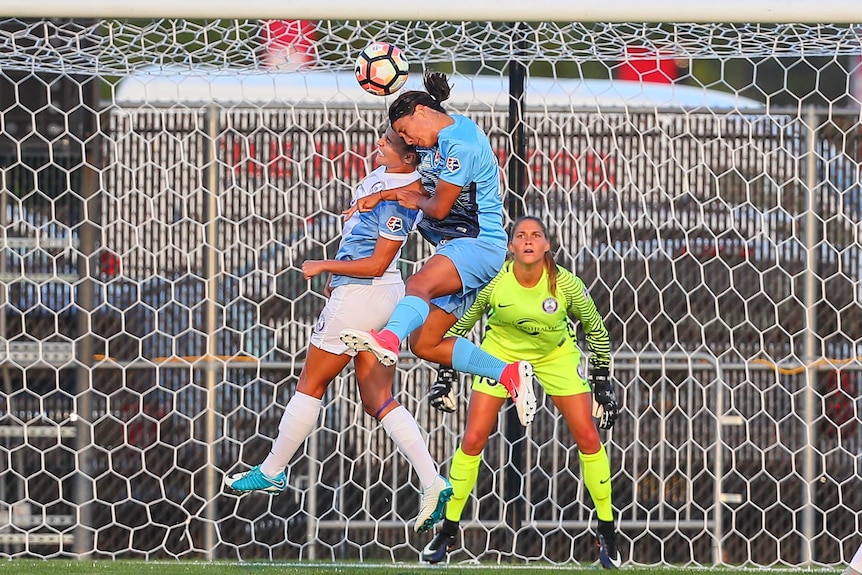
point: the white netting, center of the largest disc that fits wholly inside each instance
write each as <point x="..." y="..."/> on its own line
<point x="163" y="181"/>
<point x="117" y="47"/>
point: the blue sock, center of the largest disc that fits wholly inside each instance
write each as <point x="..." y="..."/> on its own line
<point x="410" y="313"/>
<point x="468" y="358"/>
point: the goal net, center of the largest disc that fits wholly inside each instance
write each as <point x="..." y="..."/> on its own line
<point x="163" y="180"/>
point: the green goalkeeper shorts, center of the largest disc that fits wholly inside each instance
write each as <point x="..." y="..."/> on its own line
<point x="559" y="373"/>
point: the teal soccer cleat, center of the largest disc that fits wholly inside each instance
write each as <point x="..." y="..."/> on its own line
<point x="434" y="500"/>
<point x="256" y="480"/>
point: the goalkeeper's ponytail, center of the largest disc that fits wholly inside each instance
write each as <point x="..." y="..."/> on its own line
<point x="551" y="267"/>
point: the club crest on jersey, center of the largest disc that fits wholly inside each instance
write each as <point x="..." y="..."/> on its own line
<point x="550" y="305"/>
<point x="377" y="187"/>
<point x="453" y="164"/>
<point x="394" y="224"/>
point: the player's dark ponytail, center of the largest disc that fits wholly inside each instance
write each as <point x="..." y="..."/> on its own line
<point x="436" y="91"/>
<point x="437" y="86"/>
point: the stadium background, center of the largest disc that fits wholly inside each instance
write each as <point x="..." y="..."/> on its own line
<point x="155" y="319"/>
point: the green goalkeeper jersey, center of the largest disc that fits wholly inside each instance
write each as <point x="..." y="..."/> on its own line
<point x="532" y="322"/>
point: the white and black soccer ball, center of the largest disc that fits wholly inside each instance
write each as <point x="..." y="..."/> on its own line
<point x="381" y="69"/>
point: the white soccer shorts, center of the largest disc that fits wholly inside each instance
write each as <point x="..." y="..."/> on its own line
<point x="355" y="306"/>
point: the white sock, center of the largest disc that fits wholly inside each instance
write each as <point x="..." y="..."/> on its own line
<point x="298" y="421"/>
<point x="405" y="432"/>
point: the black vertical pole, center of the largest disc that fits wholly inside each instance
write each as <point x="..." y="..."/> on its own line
<point x="517" y="168"/>
<point x="87" y="125"/>
<point x="517" y="173"/>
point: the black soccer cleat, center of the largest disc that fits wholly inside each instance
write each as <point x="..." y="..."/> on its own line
<point x="439" y="547"/>
<point x="609" y="554"/>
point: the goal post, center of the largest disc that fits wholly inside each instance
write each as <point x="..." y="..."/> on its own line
<point x="167" y="168"/>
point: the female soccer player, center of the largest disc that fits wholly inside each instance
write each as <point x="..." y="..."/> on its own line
<point x="463" y="217"/>
<point x="366" y="285"/>
<point x="530" y="303"/>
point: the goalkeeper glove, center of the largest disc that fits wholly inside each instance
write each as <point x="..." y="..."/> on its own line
<point x="605" y="406"/>
<point x="441" y="395"/>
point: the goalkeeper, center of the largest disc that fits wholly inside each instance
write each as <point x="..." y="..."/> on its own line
<point x="529" y="304"/>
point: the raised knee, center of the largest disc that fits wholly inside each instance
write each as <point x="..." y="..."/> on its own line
<point x="416" y="285"/>
<point x="429" y="349"/>
<point x="370" y="407"/>
<point x="417" y="346"/>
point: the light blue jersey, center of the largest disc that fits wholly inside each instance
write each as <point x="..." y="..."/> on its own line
<point x="387" y="219"/>
<point x="464" y="157"/>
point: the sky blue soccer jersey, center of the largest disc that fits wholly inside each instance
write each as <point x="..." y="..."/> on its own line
<point x="387" y="219"/>
<point x="464" y="157"/>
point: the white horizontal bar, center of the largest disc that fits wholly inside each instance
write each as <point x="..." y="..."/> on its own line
<point x="38" y="242"/>
<point x="562" y="524"/>
<point x="763" y="11"/>
<point x="30" y="521"/>
<point x="27" y="353"/>
<point x="35" y="539"/>
<point x="39" y="278"/>
<point x="36" y="431"/>
<point x="733" y="498"/>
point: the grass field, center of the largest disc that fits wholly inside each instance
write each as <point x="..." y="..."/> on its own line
<point x="104" y="567"/>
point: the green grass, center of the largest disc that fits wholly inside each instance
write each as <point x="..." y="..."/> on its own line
<point x="106" y="567"/>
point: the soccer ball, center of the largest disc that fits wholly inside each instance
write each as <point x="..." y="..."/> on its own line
<point x="381" y="69"/>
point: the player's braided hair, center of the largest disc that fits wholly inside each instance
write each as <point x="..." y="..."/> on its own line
<point x="436" y="91"/>
<point x="550" y="262"/>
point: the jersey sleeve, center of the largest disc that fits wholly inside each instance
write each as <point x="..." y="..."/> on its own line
<point x="370" y="184"/>
<point x="394" y="222"/>
<point x="457" y="160"/>
<point x="463" y="326"/>
<point x="581" y="306"/>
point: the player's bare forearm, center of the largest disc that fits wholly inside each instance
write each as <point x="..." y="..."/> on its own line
<point x="440" y="204"/>
<point x="392" y="194"/>
<point x="371" y="266"/>
<point x="361" y="268"/>
<point x="411" y="199"/>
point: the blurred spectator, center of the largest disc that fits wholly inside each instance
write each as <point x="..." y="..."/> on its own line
<point x="288" y="44"/>
<point x="643" y="64"/>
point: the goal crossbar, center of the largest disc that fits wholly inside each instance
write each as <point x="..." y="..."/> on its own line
<point x="764" y="11"/>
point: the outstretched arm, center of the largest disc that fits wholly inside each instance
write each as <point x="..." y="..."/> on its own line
<point x="441" y="395"/>
<point x="371" y="267"/>
<point x="368" y="203"/>
<point x="582" y="307"/>
<point x="463" y="326"/>
<point x="437" y="206"/>
<point x="606" y="408"/>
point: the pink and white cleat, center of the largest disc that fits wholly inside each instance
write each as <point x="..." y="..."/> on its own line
<point x="517" y="378"/>
<point x="383" y="344"/>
